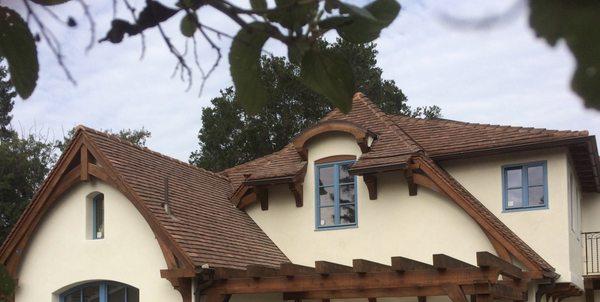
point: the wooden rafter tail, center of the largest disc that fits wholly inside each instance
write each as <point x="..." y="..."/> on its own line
<point x="402" y="264"/>
<point x="223" y="273"/>
<point x="443" y="262"/>
<point x="290" y="270"/>
<point x="371" y="183"/>
<point x="362" y="266"/>
<point x="410" y="180"/>
<point x="260" y="271"/>
<point x="326" y="268"/>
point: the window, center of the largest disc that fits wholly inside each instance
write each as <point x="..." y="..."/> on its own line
<point x="98" y="216"/>
<point x="104" y="291"/>
<point x="335" y="195"/>
<point x="525" y="186"/>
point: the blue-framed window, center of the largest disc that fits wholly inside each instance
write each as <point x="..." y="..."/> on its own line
<point x="335" y="195"/>
<point x="102" y="291"/>
<point x="98" y="216"/>
<point x="525" y="186"/>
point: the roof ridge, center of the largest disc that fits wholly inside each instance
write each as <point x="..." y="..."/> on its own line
<point x="359" y="96"/>
<point x="472" y="124"/>
<point x="114" y="137"/>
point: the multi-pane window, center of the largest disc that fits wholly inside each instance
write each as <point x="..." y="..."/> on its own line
<point x="98" y="216"/>
<point x="105" y="291"/>
<point x="525" y="186"/>
<point x="336" y="195"/>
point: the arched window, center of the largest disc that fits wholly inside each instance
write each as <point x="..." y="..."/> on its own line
<point x="101" y="291"/>
<point x="98" y="216"/>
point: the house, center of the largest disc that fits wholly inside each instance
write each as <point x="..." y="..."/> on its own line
<point x="360" y="206"/>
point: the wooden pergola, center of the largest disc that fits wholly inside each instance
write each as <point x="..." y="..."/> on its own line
<point x="492" y="279"/>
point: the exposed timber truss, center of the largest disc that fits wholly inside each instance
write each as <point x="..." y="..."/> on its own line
<point x="492" y="279"/>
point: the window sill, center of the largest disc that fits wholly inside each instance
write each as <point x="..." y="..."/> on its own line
<point x="525" y="209"/>
<point x="337" y="227"/>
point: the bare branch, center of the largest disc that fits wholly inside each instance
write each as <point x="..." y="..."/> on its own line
<point x="88" y="15"/>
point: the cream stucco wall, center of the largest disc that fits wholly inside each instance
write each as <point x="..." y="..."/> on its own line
<point x="395" y="224"/>
<point x="547" y="231"/>
<point x="590" y="212"/>
<point x="60" y="255"/>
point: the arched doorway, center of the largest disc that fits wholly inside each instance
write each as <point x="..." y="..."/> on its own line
<point x="101" y="291"/>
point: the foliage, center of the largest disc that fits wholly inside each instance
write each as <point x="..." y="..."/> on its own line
<point x="7" y="93"/>
<point x="137" y="137"/>
<point x="7" y="284"/>
<point x="299" y="24"/>
<point x="573" y="22"/>
<point x="230" y="136"/>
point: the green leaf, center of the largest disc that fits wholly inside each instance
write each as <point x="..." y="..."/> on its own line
<point x="18" y="47"/>
<point x="334" y="22"/>
<point x="356" y="11"/>
<point x="329" y="75"/>
<point x="297" y="49"/>
<point x="363" y="30"/>
<point x="258" y="4"/>
<point x="293" y="14"/>
<point x="49" y="2"/>
<point x="244" y="64"/>
<point x="188" y="25"/>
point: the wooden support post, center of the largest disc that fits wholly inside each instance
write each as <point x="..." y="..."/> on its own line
<point x="455" y="293"/>
<point x="589" y="295"/>
<point x="371" y="182"/>
<point x="372" y="299"/>
<point x="84" y="163"/>
<point x="262" y="194"/>
<point x="483" y="298"/>
<point x="422" y="299"/>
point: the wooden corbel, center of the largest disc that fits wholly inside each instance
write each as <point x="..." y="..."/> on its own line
<point x="371" y="182"/>
<point x="296" y="188"/>
<point x="412" y="186"/>
<point x="262" y="194"/>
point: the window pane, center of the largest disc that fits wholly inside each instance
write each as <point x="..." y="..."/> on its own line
<point x="535" y="176"/>
<point x="514" y="198"/>
<point x="346" y="194"/>
<point x="326" y="176"/>
<point x="74" y="297"/>
<point x="133" y="294"/>
<point x="326" y="196"/>
<point x="347" y="214"/>
<point x="99" y="216"/>
<point x="345" y="176"/>
<point x="514" y="178"/>
<point x="536" y="196"/>
<point x="327" y="216"/>
<point x="91" y="294"/>
<point x="116" y="292"/>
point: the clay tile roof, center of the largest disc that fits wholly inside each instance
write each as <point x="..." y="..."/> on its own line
<point x="203" y="222"/>
<point x="441" y="137"/>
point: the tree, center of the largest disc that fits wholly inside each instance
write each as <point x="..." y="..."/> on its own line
<point x="7" y="94"/>
<point x="229" y="136"/>
<point x="137" y="137"/>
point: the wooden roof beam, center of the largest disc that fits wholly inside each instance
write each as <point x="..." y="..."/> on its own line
<point x="443" y="262"/>
<point x="401" y="264"/>
<point x="362" y="266"/>
<point x="326" y="268"/>
<point x="486" y="260"/>
<point x="260" y="271"/>
<point x="289" y="269"/>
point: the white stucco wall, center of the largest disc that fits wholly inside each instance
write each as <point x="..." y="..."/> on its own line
<point x="547" y="231"/>
<point x="61" y="255"/>
<point x="395" y="224"/>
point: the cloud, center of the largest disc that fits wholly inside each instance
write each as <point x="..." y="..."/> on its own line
<point x="501" y="75"/>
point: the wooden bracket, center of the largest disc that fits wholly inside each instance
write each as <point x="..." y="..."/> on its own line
<point x="262" y="194"/>
<point x="455" y="293"/>
<point x="412" y="186"/>
<point x="83" y="159"/>
<point x="296" y="188"/>
<point x="371" y="182"/>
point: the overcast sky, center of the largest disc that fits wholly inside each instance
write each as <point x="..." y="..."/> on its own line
<point x="501" y="75"/>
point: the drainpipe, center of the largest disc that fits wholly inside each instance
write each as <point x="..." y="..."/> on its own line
<point x="204" y="279"/>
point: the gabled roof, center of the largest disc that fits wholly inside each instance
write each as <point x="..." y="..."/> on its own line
<point x="202" y="223"/>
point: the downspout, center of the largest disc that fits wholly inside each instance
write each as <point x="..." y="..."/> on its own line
<point x="204" y="279"/>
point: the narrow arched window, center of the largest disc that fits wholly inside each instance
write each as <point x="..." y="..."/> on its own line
<point x="98" y="216"/>
<point x="103" y="291"/>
